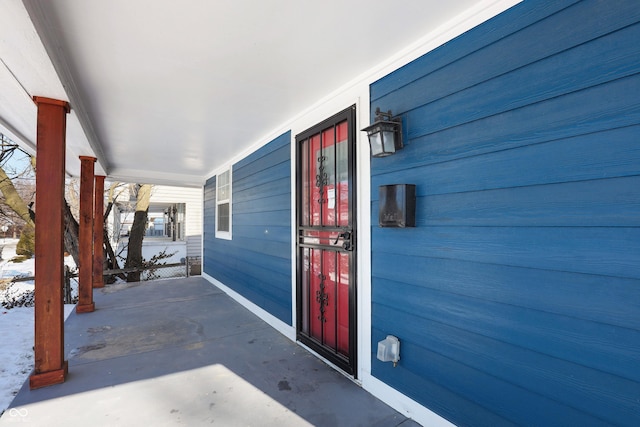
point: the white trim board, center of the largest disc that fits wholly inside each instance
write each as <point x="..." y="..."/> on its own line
<point x="271" y="320"/>
<point x="403" y="404"/>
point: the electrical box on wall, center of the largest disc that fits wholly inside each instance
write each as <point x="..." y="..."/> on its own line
<point x="397" y="205"/>
<point x="389" y="350"/>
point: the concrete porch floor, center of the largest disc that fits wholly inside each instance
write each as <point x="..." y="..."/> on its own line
<point x="181" y="352"/>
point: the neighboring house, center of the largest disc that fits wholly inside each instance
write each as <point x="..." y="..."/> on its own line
<point x="516" y="297"/>
<point x="174" y="223"/>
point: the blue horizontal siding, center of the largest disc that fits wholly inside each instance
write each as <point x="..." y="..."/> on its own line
<point x="516" y="297"/>
<point x="265" y="176"/>
<point x="252" y="286"/>
<point x="584" y="349"/>
<point x="591" y="250"/>
<point x="587" y="297"/>
<point x="544" y="44"/>
<point x="265" y="219"/>
<point x="268" y="204"/>
<point x="542" y="122"/>
<point x="504" y="397"/>
<point x="605" y="154"/>
<point x="273" y="233"/>
<point x="266" y="190"/>
<point x="552" y="117"/>
<point x="595" y="203"/>
<point x="256" y="263"/>
<point x="247" y="170"/>
<point x="512" y="20"/>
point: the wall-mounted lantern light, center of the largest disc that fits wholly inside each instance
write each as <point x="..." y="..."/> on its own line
<point x="385" y="134"/>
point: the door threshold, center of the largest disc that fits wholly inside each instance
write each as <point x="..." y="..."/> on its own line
<point x="330" y="364"/>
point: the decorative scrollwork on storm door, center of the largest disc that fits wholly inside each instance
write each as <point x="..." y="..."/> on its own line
<point x="321" y="177"/>
<point x="322" y="298"/>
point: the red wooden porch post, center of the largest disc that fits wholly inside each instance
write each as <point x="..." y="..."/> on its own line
<point x="85" y="236"/>
<point x="50" y="366"/>
<point x="98" y="234"/>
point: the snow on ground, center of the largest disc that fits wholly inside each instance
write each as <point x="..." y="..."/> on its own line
<point x="16" y="324"/>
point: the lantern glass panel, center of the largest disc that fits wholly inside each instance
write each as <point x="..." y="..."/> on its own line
<point x="388" y="136"/>
<point x="375" y="140"/>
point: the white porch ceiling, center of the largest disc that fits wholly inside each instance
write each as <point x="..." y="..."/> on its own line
<point x="166" y="91"/>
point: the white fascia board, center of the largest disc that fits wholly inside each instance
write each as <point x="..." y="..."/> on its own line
<point x="165" y="178"/>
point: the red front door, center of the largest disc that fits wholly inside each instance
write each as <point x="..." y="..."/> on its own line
<point x="326" y="239"/>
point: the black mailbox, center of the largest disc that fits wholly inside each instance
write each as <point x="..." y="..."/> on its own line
<point x="397" y="205"/>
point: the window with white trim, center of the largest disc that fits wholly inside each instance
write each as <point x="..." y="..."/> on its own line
<point x="223" y="205"/>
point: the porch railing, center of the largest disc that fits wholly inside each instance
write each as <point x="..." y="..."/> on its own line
<point x="191" y="266"/>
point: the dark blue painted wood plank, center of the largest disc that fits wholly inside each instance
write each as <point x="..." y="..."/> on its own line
<point x="256" y="289"/>
<point x="277" y="218"/>
<point x="255" y="295"/>
<point x="275" y="283"/>
<point x="268" y="189"/>
<point x="517" y="54"/>
<point x="610" y="202"/>
<point x="610" y="100"/>
<point x="278" y="234"/>
<point x="432" y="389"/>
<point x="607" y="349"/>
<point x="282" y="155"/>
<point x="603" y="107"/>
<point x="274" y="145"/>
<point x="523" y="15"/>
<point x="272" y="275"/>
<point x="524" y="375"/>
<point x="606" y="154"/>
<point x="261" y="269"/>
<point x="273" y="173"/>
<point x="602" y="299"/>
<point x="591" y="64"/>
<point x="253" y="246"/>
<point x="261" y="246"/>
<point x="246" y="259"/>
<point x="259" y="291"/>
<point x="281" y="202"/>
<point x="590" y="250"/>
<point x="511" y="404"/>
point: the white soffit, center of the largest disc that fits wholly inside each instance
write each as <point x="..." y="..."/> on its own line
<point x="26" y="71"/>
<point x="167" y="91"/>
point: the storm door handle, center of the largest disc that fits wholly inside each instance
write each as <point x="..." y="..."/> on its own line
<point x="347" y="245"/>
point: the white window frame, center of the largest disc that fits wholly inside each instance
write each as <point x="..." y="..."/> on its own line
<point x="223" y="234"/>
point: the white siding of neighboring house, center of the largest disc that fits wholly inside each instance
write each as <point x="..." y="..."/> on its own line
<point x="192" y="198"/>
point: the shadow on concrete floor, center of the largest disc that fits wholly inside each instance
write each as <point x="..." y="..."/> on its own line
<point x="181" y="351"/>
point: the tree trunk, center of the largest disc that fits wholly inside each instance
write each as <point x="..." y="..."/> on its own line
<point x="71" y="229"/>
<point x="138" y="229"/>
<point x="13" y="199"/>
<point x="15" y="202"/>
